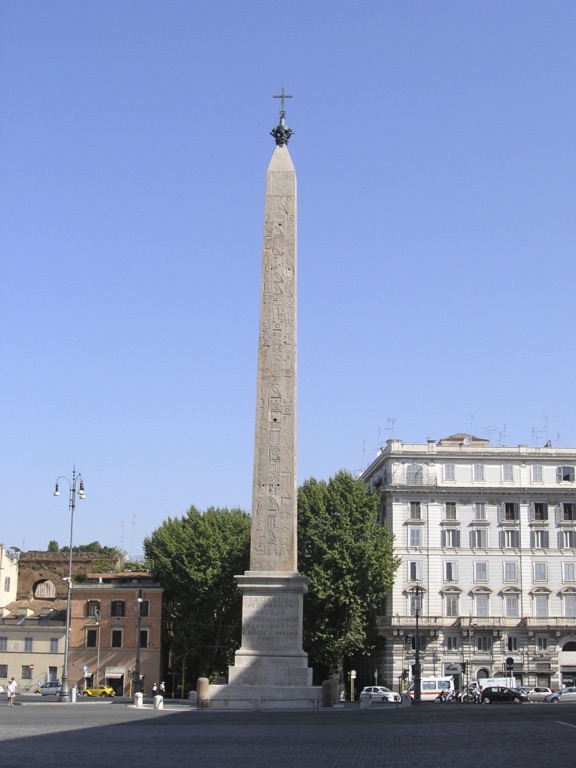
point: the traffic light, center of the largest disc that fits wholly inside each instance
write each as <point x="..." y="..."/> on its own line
<point x="464" y="663"/>
<point x="405" y="674"/>
<point x="130" y="673"/>
<point x="408" y="641"/>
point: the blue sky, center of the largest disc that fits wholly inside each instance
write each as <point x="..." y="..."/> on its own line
<point x="434" y="142"/>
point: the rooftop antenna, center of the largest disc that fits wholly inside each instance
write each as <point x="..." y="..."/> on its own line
<point x="132" y="534"/>
<point x="489" y="431"/>
<point x="122" y="535"/>
<point x="540" y="434"/>
<point x="502" y="435"/>
<point x="470" y="423"/>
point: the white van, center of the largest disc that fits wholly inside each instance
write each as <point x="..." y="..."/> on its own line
<point x="432" y="687"/>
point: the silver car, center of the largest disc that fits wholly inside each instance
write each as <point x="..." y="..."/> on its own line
<point x="50" y="689"/>
<point x="379" y="693"/>
<point x="538" y="694"/>
<point x="566" y="694"/>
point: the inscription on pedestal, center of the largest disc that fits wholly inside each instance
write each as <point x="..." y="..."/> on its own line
<point x="271" y="623"/>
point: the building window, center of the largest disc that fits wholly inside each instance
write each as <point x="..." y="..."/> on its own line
<point x="3" y="671"/>
<point x="144" y="608"/>
<point x="510" y="539"/>
<point x="481" y="571"/>
<point x="6" y="583"/>
<point x="415" y="570"/>
<point x="450" y="510"/>
<point x="93" y="608"/>
<point x="414" y="474"/>
<point x="484" y="643"/>
<point x="478" y="470"/>
<point x="451" y="570"/>
<point x="568" y="511"/>
<point x="451" y="642"/>
<point x="143" y="638"/>
<point x="91" y="638"/>
<point x="414" y="536"/>
<point x="450" y="537"/>
<point x="480" y="510"/>
<point x="3" y="643"/>
<point x="540" y="571"/>
<point x="539" y="539"/>
<point x="53" y="645"/>
<point x="26" y="673"/>
<point x="481" y="606"/>
<point x="541" y="606"/>
<point x="568" y="572"/>
<point x="512" y="643"/>
<point x="117" y="608"/>
<point x="510" y="510"/>
<point x="415" y="510"/>
<point x="542" y="643"/>
<point x="539" y="510"/>
<point x="567" y="539"/>
<point x="116" y="638"/>
<point x="478" y="538"/>
<point x="570" y="606"/>
<point x="511" y="571"/>
<point x="565" y="474"/>
<point x="28" y="644"/>
<point x="449" y="472"/>
<point x="507" y="473"/>
<point x="451" y="605"/>
<point x="536" y="473"/>
<point x="511" y="606"/>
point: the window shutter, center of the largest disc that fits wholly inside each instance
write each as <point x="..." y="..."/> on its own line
<point x="558" y="474"/>
<point x="545" y="539"/>
<point x="443" y="538"/>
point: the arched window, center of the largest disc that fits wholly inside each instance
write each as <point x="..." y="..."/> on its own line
<point x="569" y="646"/>
<point x="44" y="590"/>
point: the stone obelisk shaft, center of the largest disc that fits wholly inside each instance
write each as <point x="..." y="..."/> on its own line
<point x="274" y="515"/>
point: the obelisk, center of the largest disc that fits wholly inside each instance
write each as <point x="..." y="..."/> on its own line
<point x="270" y="663"/>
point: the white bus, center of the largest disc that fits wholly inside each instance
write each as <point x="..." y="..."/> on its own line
<point x="432" y="687"/>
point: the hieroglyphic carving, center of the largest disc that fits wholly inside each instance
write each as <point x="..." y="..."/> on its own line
<point x="274" y="498"/>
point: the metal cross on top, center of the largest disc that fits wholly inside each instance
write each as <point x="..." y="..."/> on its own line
<point x="282" y="96"/>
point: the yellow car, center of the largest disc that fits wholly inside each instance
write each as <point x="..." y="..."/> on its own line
<point x="99" y="690"/>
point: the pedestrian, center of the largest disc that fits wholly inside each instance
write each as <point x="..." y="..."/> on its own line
<point x="11" y="692"/>
<point x="154" y="689"/>
<point x="162" y="689"/>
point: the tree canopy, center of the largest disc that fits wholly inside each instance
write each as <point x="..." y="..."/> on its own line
<point x="348" y="557"/>
<point x="196" y="558"/>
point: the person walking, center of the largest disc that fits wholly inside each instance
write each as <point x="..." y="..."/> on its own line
<point x="11" y="692"/>
<point x="162" y="689"/>
<point x="154" y="689"/>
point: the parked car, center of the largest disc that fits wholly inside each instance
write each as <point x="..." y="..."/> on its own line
<point x="566" y="694"/>
<point x="99" y="690"/>
<point x="497" y="693"/>
<point x="50" y="689"/>
<point x="379" y="693"/>
<point x="538" y="694"/>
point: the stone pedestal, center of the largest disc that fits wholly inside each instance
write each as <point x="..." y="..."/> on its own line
<point x="271" y="651"/>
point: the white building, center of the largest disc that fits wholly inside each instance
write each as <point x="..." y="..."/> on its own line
<point x="489" y="536"/>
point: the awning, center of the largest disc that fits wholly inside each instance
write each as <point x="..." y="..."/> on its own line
<point x="114" y="675"/>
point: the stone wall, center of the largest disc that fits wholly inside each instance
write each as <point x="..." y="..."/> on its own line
<point x="35" y="566"/>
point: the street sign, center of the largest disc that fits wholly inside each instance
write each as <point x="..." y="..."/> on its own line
<point x="353" y="674"/>
<point x="453" y="669"/>
<point x="84" y="669"/>
<point x="31" y="666"/>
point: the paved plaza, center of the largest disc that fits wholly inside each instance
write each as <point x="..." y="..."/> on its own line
<point x="94" y="733"/>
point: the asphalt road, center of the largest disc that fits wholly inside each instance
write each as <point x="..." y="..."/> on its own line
<point x="109" y="732"/>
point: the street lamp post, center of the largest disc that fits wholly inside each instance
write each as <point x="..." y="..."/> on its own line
<point x="417" y="669"/>
<point x="64" y="695"/>
<point x="137" y="678"/>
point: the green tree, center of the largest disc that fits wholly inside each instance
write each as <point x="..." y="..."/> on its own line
<point x="196" y="558"/>
<point x="53" y="546"/>
<point x="348" y="557"/>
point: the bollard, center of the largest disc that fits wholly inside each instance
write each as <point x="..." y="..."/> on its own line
<point x="73" y="693"/>
<point x="158" y="702"/>
<point x="139" y="700"/>
<point x="327" y="693"/>
<point x="365" y="702"/>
